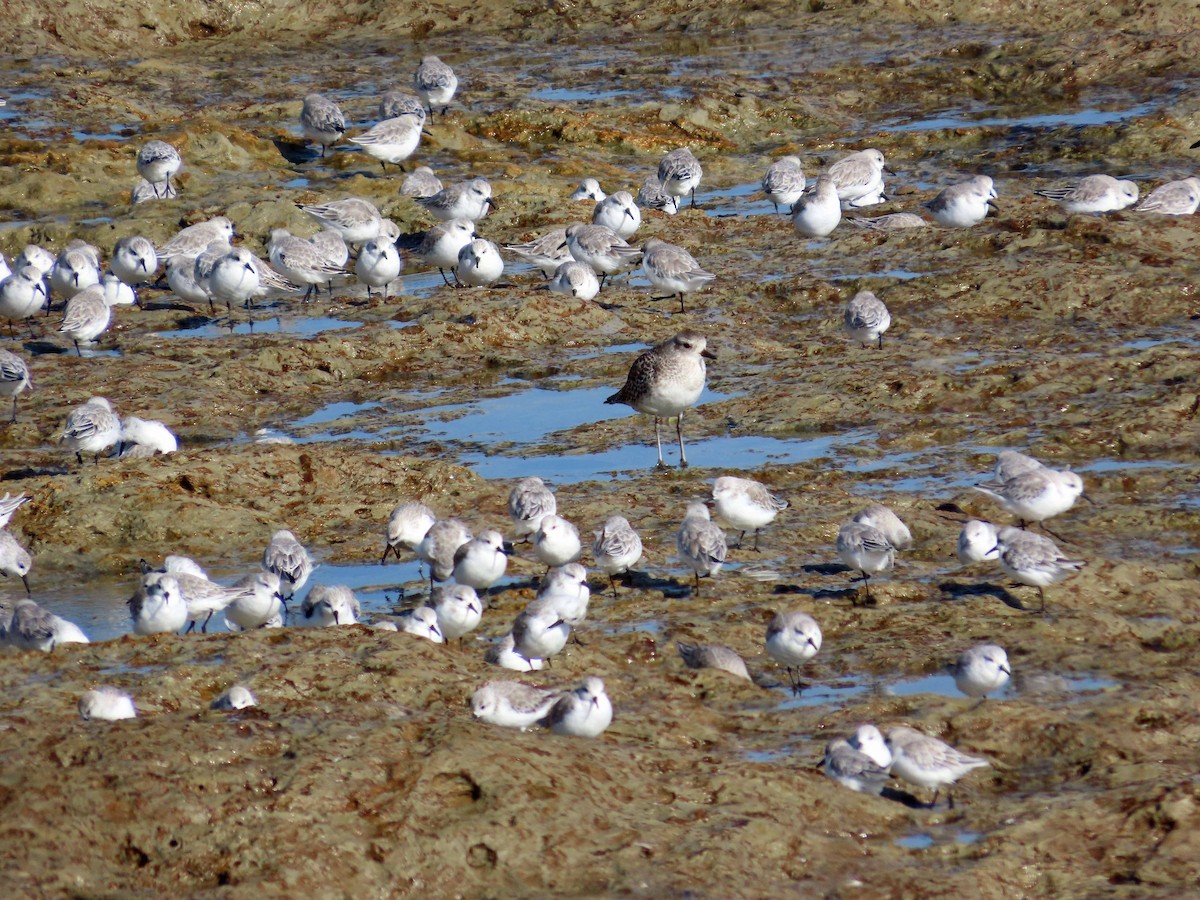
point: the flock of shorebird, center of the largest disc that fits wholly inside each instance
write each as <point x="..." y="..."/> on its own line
<point x="202" y="265"/>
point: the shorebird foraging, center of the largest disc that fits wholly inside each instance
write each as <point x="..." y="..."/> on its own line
<point x="321" y="121"/>
<point x="866" y="319"/>
<point x="407" y="526"/>
<point x="652" y="196"/>
<point x="866" y="550"/>
<point x="91" y="428"/>
<point x="583" y="712"/>
<point x="981" y="670"/>
<point x="793" y="638"/>
<point x="157" y="161"/>
<point x="14" y="559"/>
<point x="713" y="656"/>
<point x="784" y="182"/>
<point x="1034" y="560"/>
<point x="435" y="83"/>
<point x="679" y="172"/>
<point x="746" y="505"/>
<point x="616" y="549"/>
<point x="1094" y="194"/>
<point x="852" y="768"/>
<point x="701" y="543"/>
<point x="672" y="269"/>
<point x="965" y="204"/>
<point x="286" y="557"/>
<point x="928" y="762"/>
<point x="817" y="214"/>
<point x="666" y="380"/>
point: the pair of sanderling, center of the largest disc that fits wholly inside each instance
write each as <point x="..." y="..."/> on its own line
<point x="792" y="639"/>
<point x="310" y="261"/>
<point x="864" y="762"/>
<point x="112" y="704"/>
<point x="542" y="628"/>
<point x="585" y="711"/>
<point x="666" y="380"/>
<point x="869" y="541"/>
<point x="95" y="427"/>
<point x="1029" y="558"/>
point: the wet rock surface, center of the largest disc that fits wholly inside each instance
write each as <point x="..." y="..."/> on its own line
<point x="361" y="771"/>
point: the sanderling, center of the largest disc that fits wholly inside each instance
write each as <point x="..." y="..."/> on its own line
<point x="328" y="605"/>
<point x="321" y="121"/>
<point x="300" y="261"/>
<point x="145" y="190"/>
<point x="203" y="597"/>
<point x="392" y="140"/>
<point x="441" y="245"/>
<point x="512" y="704"/>
<point x="793" y="638"/>
<point x="1036" y="495"/>
<point x="965" y="204"/>
<point x="439" y="545"/>
<point x="601" y="249"/>
<point x="86" y="316"/>
<point x="117" y="292"/>
<point x="700" y="542"/>
<point x="852" y="768"/>
<point x="407" y="525"/>
<point x="238" y="696"/>
<point x="30" y="627"/>
<point x="1034" y="560"/>
<point x="547" y="252"/>
<point x="91" y="428"/>
<point x="666" y="380"/>
<point x="143" y="438"/>
<point x="193" y="240"/>
<point x="435" y="83"/>
<point x="287" y="558"/>
<point x="503" y="653"/>
<point x="106" y="704"/>
<point x="575" y="279"/>
<point x="1175" y="198"/>
<point x="22" y="294"/>
<point x="1094" y="194"/>
<point x="378" y="265"/>
<point x="976" y="542"/>
<point x="672" y="269"/>
<point x="866" y="550"/>
<point x="859" y="178"/>
<point x="397" y="103"/>
<point x="355" y="219"/>
<point x="865" y="319"/>
<point x="33" y="255"/>
<point x="157" y="161"/>
<point x="617" y="548"/>
<point x="14" y="559"/>
<point x="157" y="606"/>
<point x="713" y="656"/>
<point x="746" y="504"/>
<point x="883" y="518"/>
<point x="556" y="542"/>
<point x="981" y="670"/>
<point x="891" y="222"/>
<point x="457" y="608"/>
<point x="8" y="503"/>
<point x="679" y="172"/>
<point x="928" y="762"/>
<point x="181" y="277"/>
<point x="66" y="632"/>
<point x="539" y="634"/>
<point x="134" y="260"/>
<point x="583" y="712"/>
<point x="868" y="739"/>
<point x="14" y="378"/>
<point x="589" y="189"/>
<point x="234" y="278"/>
<point x="481" y="561"/>
<point x="468" y="200"/>
<point x="565" y="592"/>
<point x="817" y="214"/>
<point x="421" y="622"/>
<point x="618" y="212"/>
<point x="1011" y="463"/>
<point x="176" y="564"/>
<point x="784" y="182"/>
<point x="258" y="603"/>
<point x="529" y="502"/>
<point x="420" y="182"/>
<point x="74" y="271"/>
<point x="479" y="264"/>
<point x="652" y="196"/>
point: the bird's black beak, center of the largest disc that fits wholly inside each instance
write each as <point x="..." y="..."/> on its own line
<point x="708" y="354"/>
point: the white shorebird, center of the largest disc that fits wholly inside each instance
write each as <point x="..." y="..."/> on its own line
<point x="512" y="704"/>
<point x="420" y="182"/>
<point x="439" y="545"/>
<point x="407" y="526"/>
<point x="86" y="316"/>
<point x="1175" y="198"/>
<point x="1094" y="194"/>
<point x="818" y="213"/>
<point x="713" y="656"/>
<point x="746" y="505"/>
<point x="355" y="219"/>
<point x="679" y="173"/>
<point x="981" y="670"/>
<point x="565" y="592"/>
<point x="619" y="212"/>
<point x="793" y="638"/>
<point x="157" y="162"/>
<point x="928" y="762"/>
<point x="143" y="438"/>
<point x="327" y="605"/>
<point x="421" y="622"/>
<point x="503" y="653"/>
<point x="397" y="103"/>
<point x="75" y="270"/>
<point x="859" y="178"/>
<point x="866" y="550"/>
<point x="286" y="557"/>
<point x="392" y="140"/>
<point x="539" y="634"/>
<point x="852" y="768"/>
<point x="158" y="607"/>
<point x="976" y="542"/>
<point x="14" y="559"/>
<point x="91" y="428"/>
<point x="300" y="260"/>
<point x="481" y="561"/>
<point x="134" y="260"/>
<point x="469" y="200"/>
<point x="106" y="704"/>
<point x="665" y="381"/>
<point x="479" y="264"/>
<point x="784" y="182"/>
<point x="616" y="549"/>
<point x="556" y="542"/>
<point x="442" y="243"/>
<point x="435" y="83"/>
<point x="529" y="502"/>
<point x="1036" y="495"/>
<point x="866" y="318"/>
<point x="588" y="189"/>
<point x="583" y="712"/>
<point x="238" y="696"/>
<point x="701" y="543"/>
<point x="258" y="603"/>
<point x="672" y="269"/>
<point x="575" y="279"/>
<point x="321" y="121"/>
<point x="547" y="252"/>
<point x="22" y="295"/>
<point x="1034" y="560"/>
<point x="458" y="609"/>
<point x="378" y="265"/>
<point x="965" y="204"/>
<point x="890" y="524"/>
